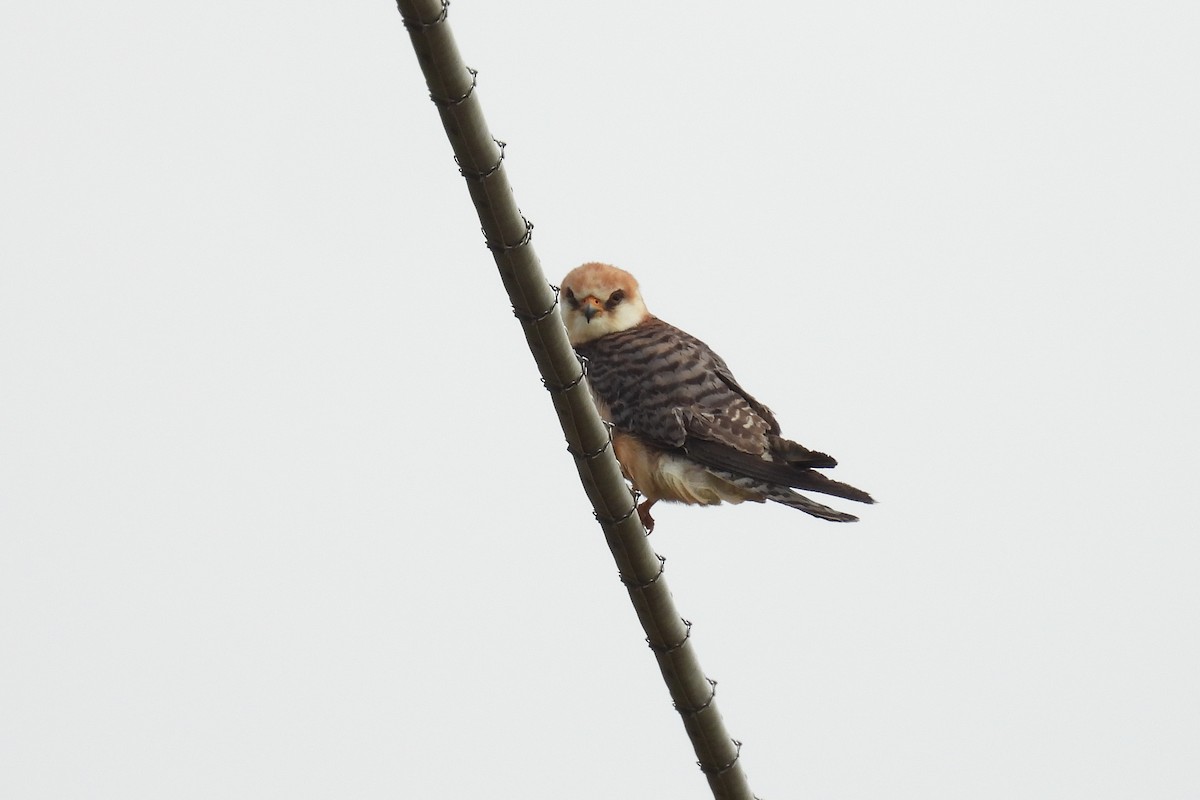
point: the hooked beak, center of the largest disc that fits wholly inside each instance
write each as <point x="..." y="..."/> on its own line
<point x="591" y="307"/>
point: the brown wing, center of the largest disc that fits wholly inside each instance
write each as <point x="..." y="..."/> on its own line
<point x="667" y="386"/>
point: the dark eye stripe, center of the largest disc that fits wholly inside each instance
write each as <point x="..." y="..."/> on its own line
<point x="614" y="299"/>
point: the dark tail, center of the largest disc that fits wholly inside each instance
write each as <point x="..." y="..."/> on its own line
<point x="795" y="467"/>
<point x="816" y="482"/>
<point x="787" y="497"/>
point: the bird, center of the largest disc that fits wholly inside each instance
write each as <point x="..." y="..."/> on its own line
<point x="683" y="428"/>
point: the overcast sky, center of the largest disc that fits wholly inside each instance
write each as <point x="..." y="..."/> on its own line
<point x="285" y="512"/>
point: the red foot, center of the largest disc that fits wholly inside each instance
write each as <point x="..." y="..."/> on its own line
<point x="644" y="515"/>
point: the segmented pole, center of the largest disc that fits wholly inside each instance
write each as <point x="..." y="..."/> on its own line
<point x="507" y="234"/>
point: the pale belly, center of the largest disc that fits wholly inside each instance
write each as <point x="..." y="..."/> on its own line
<point x="661" y="475"/>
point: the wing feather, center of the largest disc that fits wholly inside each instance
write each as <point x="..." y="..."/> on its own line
<point x="667" y="386"/>
<point x="670" y="389"/>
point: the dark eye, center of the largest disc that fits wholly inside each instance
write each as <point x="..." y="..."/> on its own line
<point x="614" y="299"/>
<point x="570" y="298"/>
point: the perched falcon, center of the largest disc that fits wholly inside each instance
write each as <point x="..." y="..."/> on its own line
<point x="684" y="430"/>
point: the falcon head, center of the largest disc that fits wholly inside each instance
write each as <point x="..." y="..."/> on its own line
<point x="599" y="299"/>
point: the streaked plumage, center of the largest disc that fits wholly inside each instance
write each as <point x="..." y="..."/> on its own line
<point x="683" y="428"/>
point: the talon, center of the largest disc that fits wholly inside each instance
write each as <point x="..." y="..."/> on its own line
<point x="644" y="515"/>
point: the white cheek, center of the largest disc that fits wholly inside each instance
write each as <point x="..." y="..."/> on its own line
<point x="578" y="328"/>
<point x="628" y="315"/>
<point x="624" y="317"/>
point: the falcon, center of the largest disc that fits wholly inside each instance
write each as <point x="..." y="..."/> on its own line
<point x="684" y="430"/>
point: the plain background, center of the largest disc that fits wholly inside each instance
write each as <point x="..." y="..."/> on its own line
<point x="285" y="512"/>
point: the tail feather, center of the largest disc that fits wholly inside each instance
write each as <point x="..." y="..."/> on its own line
<point x="787" y="497"/>
<point x="727" y="460"/>
<point x="759" y="491"/>
<point x="816" y="482"/>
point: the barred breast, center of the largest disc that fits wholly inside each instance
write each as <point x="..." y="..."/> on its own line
<point x="663" y="384"/>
